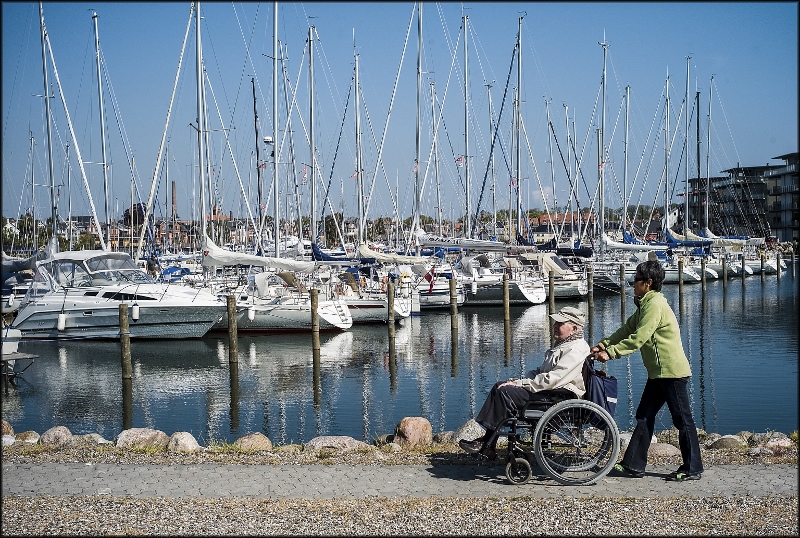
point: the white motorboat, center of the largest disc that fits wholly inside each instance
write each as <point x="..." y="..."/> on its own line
<point x="278" y="303"/>
<point x="484" y="283"/>
<point x="77" y="294"/>
<point x="566" y="282"/>
<point x="368" y="301"/>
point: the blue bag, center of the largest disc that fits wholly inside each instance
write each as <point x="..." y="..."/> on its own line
<point x="600" y="388"/>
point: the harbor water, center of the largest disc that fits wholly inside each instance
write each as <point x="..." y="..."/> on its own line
<point x="741" y="340"/>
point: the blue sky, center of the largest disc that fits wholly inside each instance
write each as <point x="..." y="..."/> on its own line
<point x="750" y="49"/>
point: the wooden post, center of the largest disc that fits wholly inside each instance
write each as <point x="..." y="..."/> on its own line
<point x="314" y="318"/>
<point x="506" y="300"/>
<point x="453" y="304"/>
<point x="762" y="263"/>
<point x="390" y="301"/>
<point x="623" y="285"/>
<point x="791" y="255"/>
<point x="392" y="366"/>
<point x="590" y="284"/>
<point x="233" y="331"/>
<point x="551" y="287"/>
<point x="127" y="404"/>
<point x="680" y="273"/>
<point x="703" y="270"/>
<point x="316" y="373"/>
<point x="744" y="273"/>
<point x="233" y="368"/>
<point x="125" y="342"/>
<point x="724" y="272"/>
<point x="454" y="352"/>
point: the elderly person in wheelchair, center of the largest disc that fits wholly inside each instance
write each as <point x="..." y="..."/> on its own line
<point x="559" y="378"/>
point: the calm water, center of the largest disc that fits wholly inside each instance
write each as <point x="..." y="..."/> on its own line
<point x="742" y="343"/>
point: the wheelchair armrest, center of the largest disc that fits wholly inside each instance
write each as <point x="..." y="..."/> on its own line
<point x="532" y="413"/>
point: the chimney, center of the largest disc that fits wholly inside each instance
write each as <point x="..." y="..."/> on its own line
<point x="174" y="201"/>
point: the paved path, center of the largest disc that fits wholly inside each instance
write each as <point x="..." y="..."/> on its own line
<point x="361" y="481"/>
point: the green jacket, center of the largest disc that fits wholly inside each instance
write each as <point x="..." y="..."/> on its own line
<point x="653" y="328"/>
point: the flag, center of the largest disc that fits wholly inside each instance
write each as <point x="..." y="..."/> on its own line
<point x="263" y="165"/>
<point x="304" y="173"/>
<point x="355" y="174"/>
<point x="414" y="171"/>
<point x="460" y="160"/>
<point x="513" y="182"/>
<point x="430" y="276"/>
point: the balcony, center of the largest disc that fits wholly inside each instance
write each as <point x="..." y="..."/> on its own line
<point x="784" y="189"/>
<point x="788" y="169"/>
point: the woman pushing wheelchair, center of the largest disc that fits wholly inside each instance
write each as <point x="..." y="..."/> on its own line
<point x="559" y="378"/>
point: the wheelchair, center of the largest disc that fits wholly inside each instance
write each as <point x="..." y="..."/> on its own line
<point x="574" y="441"/>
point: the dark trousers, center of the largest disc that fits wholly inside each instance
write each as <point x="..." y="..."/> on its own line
<point x="657" y="392"/>
<point x="505" y="402"/>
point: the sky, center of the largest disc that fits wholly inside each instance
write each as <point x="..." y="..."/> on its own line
<point x="750" y="50"/>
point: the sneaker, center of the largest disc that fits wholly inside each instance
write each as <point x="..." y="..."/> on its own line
<point x="473" y="447"/>
<point x="680" y="476"/>
<point x="630" y="473"/>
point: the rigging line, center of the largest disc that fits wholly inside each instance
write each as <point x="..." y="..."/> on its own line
<point x="247" y="47"/>
<point x="394" y="93"/>
<point x="230" y="150"/>
<point x="320" y="226"/>
<point x="494" y="139"/>
<point x="719" y="100"/>
<point x="149" y="207"/>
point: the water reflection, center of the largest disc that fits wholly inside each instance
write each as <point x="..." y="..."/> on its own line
<point x="362" y="382"/>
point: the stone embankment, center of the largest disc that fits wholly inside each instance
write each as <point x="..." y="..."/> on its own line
<point x="411" y="440"/>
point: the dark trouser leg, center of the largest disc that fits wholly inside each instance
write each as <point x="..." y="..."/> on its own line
<point x="500" y="404"/>
<point x="679" y="407"/>
<point x="652" y="400"/>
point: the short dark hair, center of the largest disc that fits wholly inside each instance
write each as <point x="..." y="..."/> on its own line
<point x="652" y="270"/>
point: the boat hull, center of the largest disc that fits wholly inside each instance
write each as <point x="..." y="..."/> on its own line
<point x="284" y="318"/>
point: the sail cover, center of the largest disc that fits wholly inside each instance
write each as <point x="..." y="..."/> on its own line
<point x="214" y="255"/>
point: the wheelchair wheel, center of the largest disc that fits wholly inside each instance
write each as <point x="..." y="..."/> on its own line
<point x="518" y="471"/>
<point x="576" y="442"/>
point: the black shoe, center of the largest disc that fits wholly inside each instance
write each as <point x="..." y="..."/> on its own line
<point x="473" y="447"/>
<point x="630" y="473"/>
<point x="488" y="453"/>
<point x="680" y="476"/>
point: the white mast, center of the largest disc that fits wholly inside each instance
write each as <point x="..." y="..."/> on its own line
<point x="359" y="165"/>
<point x="625" y="153"/>
<point x="491" y="160"/>
<point x="468" y="221"/>
<point x="53" y="210"/>
<point x="666" y="162"/>
<point x="602" y="152"/>
<point x="311" y="30"/>
<point x="436" y="162"/>
<point x="418" y="140"/>
<point x="201" y="121"/>
<point x="708" y="154"/>
<point x="276" y="223"/>
<point x="102" y="128"/>
<point x="686" y="156"/>
<point x="518" y="120"/>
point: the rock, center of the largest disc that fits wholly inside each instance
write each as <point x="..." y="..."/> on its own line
<point x="29" y="436"/>
<point x="384" y="439"/>
<point x="413" y="431"/>
<point x="469" y="431"/>
<point x="8" y="440"/>
<point x="761" y="439"/>
<point x="336" y="442"/>
<point x="394" y="447"/>
<point x="254" y="442"/>
<point x="7" y="429"/>
<point x="782" y="442"/>
<point x="289" y="449"/>
<point x="663" y="449"/>
<point x="95" y="439"/>
<point x="728" y="442"/>
<point x="142" y="438"/>
<point x="183" y="442"/>
<point x="760" y="451"/>
<point x="710" y="439"/>
<point x="745" y="436"/>
<point x="443" y="437"/>
<point x="57" y="435"/>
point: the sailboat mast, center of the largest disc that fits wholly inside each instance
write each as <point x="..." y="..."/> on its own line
<point x="201" y="119"/>
<point x="666" y="160"/>
<point x="553" y="227"/>
<point x="359" y="165"/>
<point x="686" y="155"/>
<point x="468" y="221"/>
<point x="625" y="153"/>
<point x="276" y="223"/>
<point x="258" y="159"/>
<point x="313" y="170"/>
<point x="102" y="127"/>
<point x="602" y="152"/>
<point x="53" y="208"/>
<point x="708" y="155"/>
<point x="697" y="128"/>
<point x="518" y="172"/>
<point x="69" y="200"/>
<point x="436" y="160"/>
<point x="418" y="139"/>
<point x="491" y="160"/>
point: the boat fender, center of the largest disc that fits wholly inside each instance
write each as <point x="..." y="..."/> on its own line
<point x="251" y="312"/>
<point x="11" y="299"/>
<point x="62" y="321"/>
<point x="135" y="312"/>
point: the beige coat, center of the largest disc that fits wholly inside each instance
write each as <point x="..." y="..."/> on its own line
<point x="562" y="368"/>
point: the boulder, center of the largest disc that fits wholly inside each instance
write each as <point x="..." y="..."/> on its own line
<point x="7" y="429"/>
<point x="710" y="439"/>
<point x="413" y="431"/>
<point x="384" y="439"/>
<point x="288" y="449"/>
<point x="183" y="442"/>
<point x="8" y="440"/>
<point x="780" y="442"/>
<point x="95" y="439"/>
<point x="142" y="439"/>
<point x="761" y="439"/>
<point x="663" y="449"/>
<point x="728" y="442"/>
<point x="29" y="436"/>
<point x="335" y="442"/>
<point x="469" y="431"/>
<point x="253" y="442"/>
<point x="57" y="435"/>
<point x="443" y="437"/>
<point x="760" y="451"/>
